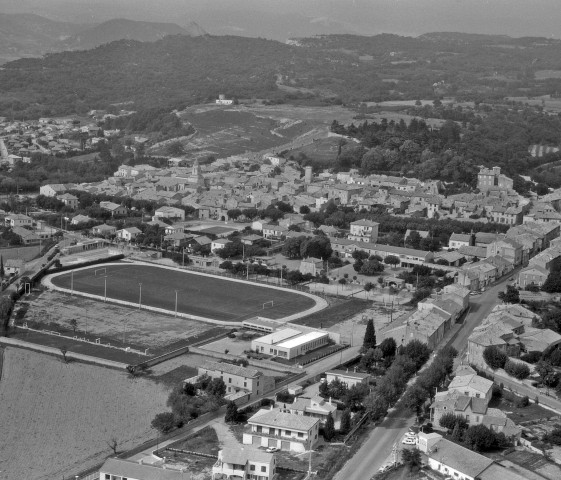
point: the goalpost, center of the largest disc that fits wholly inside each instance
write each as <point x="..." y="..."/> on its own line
<point x="270" y="303"/>
<point x="99" y="270"/>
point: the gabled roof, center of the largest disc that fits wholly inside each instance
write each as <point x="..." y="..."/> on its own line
<point x="128" y="469"/>
<point x="231" y="369"/>
<point x="459" y="458"/>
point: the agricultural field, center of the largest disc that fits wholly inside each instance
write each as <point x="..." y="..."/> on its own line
<point x="200" y="295"/>
<point x="62" y="416"/>
<point x="25" y="253"/>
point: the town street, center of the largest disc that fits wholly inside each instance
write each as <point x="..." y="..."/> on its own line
<point x="376" y="449"/>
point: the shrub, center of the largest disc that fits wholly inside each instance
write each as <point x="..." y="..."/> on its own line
<point x="522" y="402"/>
<point x="531" y="357"/>
<point x="517" y="370"/>
<point x="164" y="422"/>
<point x="494" y="357"/>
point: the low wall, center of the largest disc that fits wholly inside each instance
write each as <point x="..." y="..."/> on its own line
<point x="166" y="356"/>
<point x="56" y="352"/>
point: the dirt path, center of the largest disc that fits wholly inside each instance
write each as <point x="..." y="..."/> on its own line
<point x="225" y="436"/>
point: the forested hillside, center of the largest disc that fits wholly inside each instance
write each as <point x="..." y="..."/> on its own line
<point x="180" y="70"/>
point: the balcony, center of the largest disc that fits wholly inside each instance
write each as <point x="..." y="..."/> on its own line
<point x="228" y="471"/>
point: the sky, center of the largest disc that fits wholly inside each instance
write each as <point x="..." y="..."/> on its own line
<point x="254" y="17"/>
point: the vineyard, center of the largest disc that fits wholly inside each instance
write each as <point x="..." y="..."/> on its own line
<point x="62" y="417"/>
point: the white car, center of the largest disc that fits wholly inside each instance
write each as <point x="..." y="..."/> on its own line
<point x="409" y="441"/>
<point x="411" y="435"/>
<point x="272" y="450"/>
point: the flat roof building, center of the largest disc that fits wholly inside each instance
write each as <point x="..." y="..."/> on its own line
<point x="289" y="343"/>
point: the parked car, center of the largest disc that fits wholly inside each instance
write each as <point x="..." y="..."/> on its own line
<point x="409" y="441"/>
<point x="272" y="450"/>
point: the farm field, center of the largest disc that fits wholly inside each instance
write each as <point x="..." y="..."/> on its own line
<point x="61" y="416"/>
<point x="200" y="295"/>
<point x="25" y="253"/>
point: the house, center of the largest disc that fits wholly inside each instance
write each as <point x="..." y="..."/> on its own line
<point x="315" y="407"/>
<point x="18" y="220"/>
<point x="493" y="179"/>
<point x="244" y="463"/>
<point x="69" y="200"/>
<point x="171" y="213"/>
<point x="119" y="469"/>
<point x="103" y="230"/>
<point x="219" y="243"/>
<point x="350" y="379"/>
<point x="458" y="240"/>
<point x="472" y="385"/>
<point x="274" y="232"/>
<point x="78" y="219"/>
<point x="273" y="428"/>
<point x="251" y="239"/>
<point x="28" y="237"/>
<point x="311" y="265"/>
<point x="54" y="189"/>
<point x="532" y="275"/>
<point x="364" y="231"/>
<point x="128" y="234"/>
<point x="238" y="378"/>
<point x="13" y="266"/>
<point x="114" y="208"/>
<point x="507" y="248"/>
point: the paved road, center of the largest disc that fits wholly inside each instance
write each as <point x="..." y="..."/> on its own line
<point x="376" y="449"/>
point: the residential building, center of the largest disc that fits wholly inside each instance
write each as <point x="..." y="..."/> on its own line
<point x="315" y="407"/>
<point x="350" y="379"/>
<point x="238" y="378"/>
<point x="244" y="463"/>
<point x="273" y="428"/>
<point x="128" y="234"/>
<point x="171" y="213"/>
<point x="506" y="248"/>
<point x="28" y="237"/>
<point x="364" y="231"/>
<point x="18" y="220"/>
<point x="54" y="189"/>
<point x="532" y="275"/>
<point x="13" y="266"/>
<point x="114" y="208"/>
<point x="219" y="243"/>
<point x="311" y="265"/>
<point x="274" y="232"/>
<point x="493" y="179"/>
<point x="472" y="385"/>
<point x="104" y="230"/>
<point x="69" y="200"/>
<point x="119" y="469"/>
<point x="78" y="219"/>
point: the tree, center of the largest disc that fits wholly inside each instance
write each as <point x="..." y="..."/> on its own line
<point x="415" y="397"/>
<point x="552" y="283"/>
<point x="345" y="421"/>
<point x="392" y="260"/>
<point x="175" y="149"/>
<point x="113" y="443"/>
<point x="232" y="413"/>
<point x="216" y="388"/>
<point x="479" y="438"/>
<point x="510" y="296"/>
<point x="388" y="347"/>
<point x="64" y="351"/>
<point x="376" y="405"/>
<point x="417" y="351"/>
<point x="450" y="420"/>
<point x="2" y="271"/>
<point x="494" y="357"/>
<point x="292" y="247"/>
<point x="164" y="422"/>
<point x="304" y="209"/>
<point x="547" y="373"/>
<point x="74" y="324"/>
<point x="329" y="428"/>
<point x="411" y="458"/>
<point x="324" y="389"/>
<point x="457" y="432"/>
<point x="369" y="336"/>
<point x="318" y="247"/>
<point x="371" y="267"/>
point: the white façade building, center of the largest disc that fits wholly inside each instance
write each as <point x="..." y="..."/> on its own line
<point x="288" y="432"/>
<point x="289" y="343"/>
<point x="244" y="463"/>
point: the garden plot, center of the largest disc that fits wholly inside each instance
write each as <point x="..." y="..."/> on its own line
<point x="58" y="418"/>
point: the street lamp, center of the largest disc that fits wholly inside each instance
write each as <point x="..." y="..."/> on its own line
<point x="140" y="295"/>
<point x="176" y="303"/>
<point x="105" y="288"/>
<point x="72" y="282"/>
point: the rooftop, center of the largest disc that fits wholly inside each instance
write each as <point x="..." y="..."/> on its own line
<point x="459" y="458"/>
<point x="275" y="418"/>
<point x="302" y="339"/>
<point x="232" y="369"/>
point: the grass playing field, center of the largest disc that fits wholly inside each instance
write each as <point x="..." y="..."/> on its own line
<point x="209" y="297"/>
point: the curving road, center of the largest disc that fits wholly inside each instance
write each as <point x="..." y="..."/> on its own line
<point x="377" y="448"/>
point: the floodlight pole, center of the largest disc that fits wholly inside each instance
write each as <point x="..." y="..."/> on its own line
<point x="140" y="295"/>
<point x="72" y="282"/>
<point x="176" y="303"/>
<point x="105" y="288"/>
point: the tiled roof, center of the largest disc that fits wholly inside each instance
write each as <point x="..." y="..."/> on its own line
<point x="459" y="458"/>
<point x="232" y="369"/>
<point x="274" y="418"/>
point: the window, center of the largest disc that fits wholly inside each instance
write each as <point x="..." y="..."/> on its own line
<point x="245" y="384"/>
<point x="229" y="380"/>
<point x="252" y="468"/>
<point x="300" y="435"/>
<point x="107" y="476"/>
<point x="287" y="432"/>
<point x="263" y="468"/>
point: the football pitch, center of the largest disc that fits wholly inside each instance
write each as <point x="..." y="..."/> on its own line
<point x="199" y="295"/>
